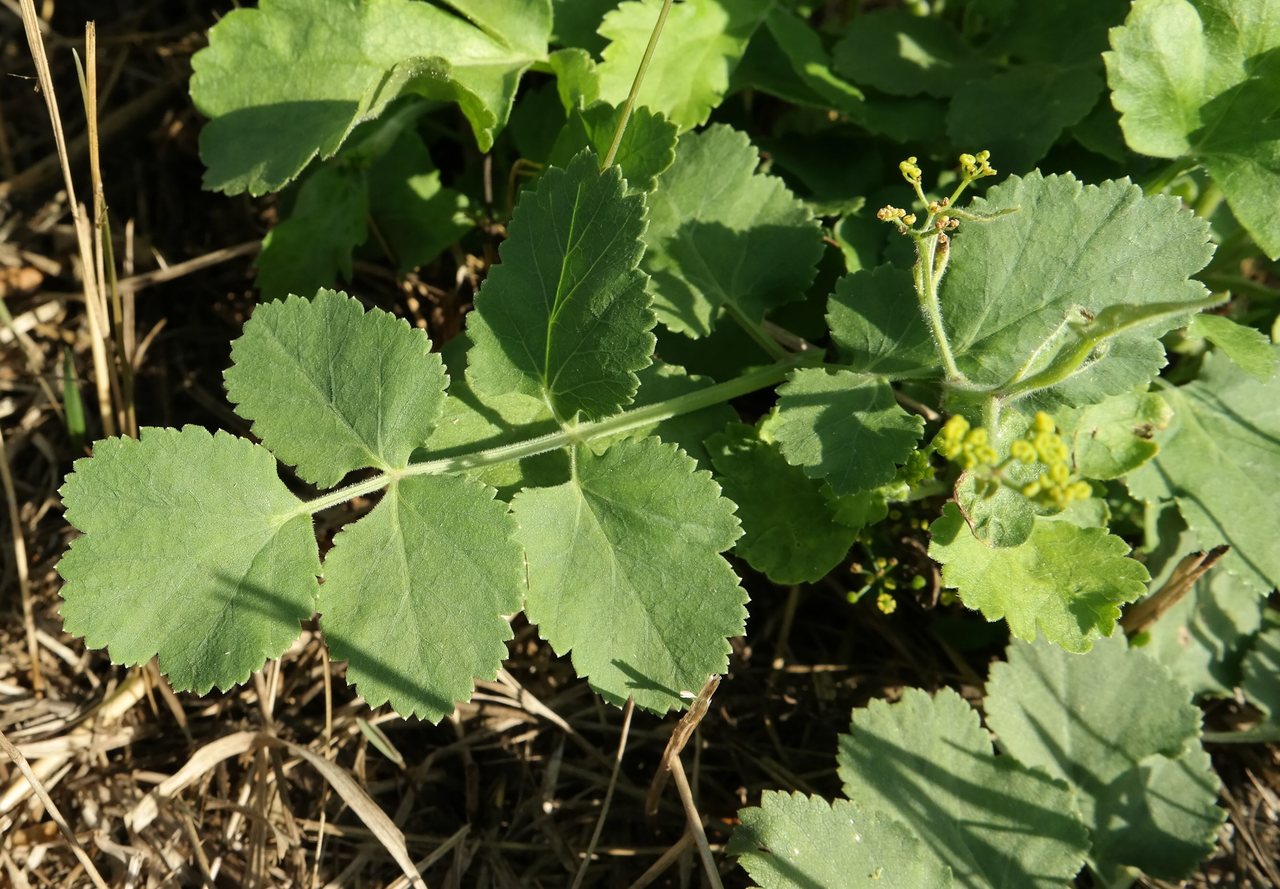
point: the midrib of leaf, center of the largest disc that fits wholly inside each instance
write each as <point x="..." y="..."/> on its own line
<point x="558" y="301"/>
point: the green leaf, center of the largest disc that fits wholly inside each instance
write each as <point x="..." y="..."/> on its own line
<point x="661" y="382"/>
<point x="845" y="428"/>
<point x="331" y="388"/>
<point x="876" y="321"/>
<point x="1201" y="638"/>
<point x="929" y="763"/>
<point x="722" y="235"/>
<point x="1262" y="673"/>
<point x="648" y="145"/>
<point x="565" y="317"/>
<point x="625" y="572"/>
<point x="1220" y="461"/>
<point x="576" y="22"/>
<point x="1248" y="347"/>
<point x="1113" y="724"/>
<point x="791" y="531"/>
<point x="1065" y="582"/>
<point x="1115" y="436"/>
<point x="1200" y="79"/>
<point x="792" y="840"/>
<point x="786" y="58"/>
<point x="417" y="218"/>
<point x="1015" y="283"/>
<point x="689" y="72"/>
<point x="439" y="557"/>
<point x="312" y="247"/>
<point x="193" y="551"/>
<point x="288" y="81"/>
<point x="903" y="54"/>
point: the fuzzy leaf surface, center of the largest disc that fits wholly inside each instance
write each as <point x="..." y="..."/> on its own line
<point x="193" y="550"/>
<point x="792" y="840"/>
<point x="565" y="317"/>
<point x="689" y="73"/>
<point x="347" y="60"/>
<point x="1201" y="79"/>
<point x="1014" y="282"/>
<point x="1064" y="581"/>
<point x="1248" y="347"/>
<point x="415" y="592"/>
<point x="1115" y="436"/>
<point x="1220" y="461"/>
<point x="721" y="234"/>
<point x="1112" y="723"/>
<point x="928" y="763"/>
<point x="625" y="572"/>
<point x="845" y="428"/>
<point x="791" y="531"/>
<point x="331" y="388"/>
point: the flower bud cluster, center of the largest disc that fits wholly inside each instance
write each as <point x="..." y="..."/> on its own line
<point x="976" y="166"/>
<point x="898" y="216"/>
<point x="1056" y="488"/>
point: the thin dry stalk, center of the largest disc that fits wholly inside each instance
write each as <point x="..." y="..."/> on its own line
<point x="695" y="823"/>
<point x="679" y="737"/>
<point x="95" y="312"/>
<point x="20" y="566"/>
<point x="15" y="755"/>
<point x="608" y="794"/>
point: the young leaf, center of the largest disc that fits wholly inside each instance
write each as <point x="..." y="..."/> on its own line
<point x="193" y="550"/>
<point x="792" y="840"/>
<point x="565" y="317"/>
<point x="1065" y="581"/>
<point x="647" y="148"/>
<point x="1248" y="347"/>
<point x="791" y="531"/>
<point x="1113" y="724"/>
<point x="722" y="235"/>
<point x="331" y="388"/>
<point x="845" y="428"/>
<point x="1015" y="283"/>
<point x="689" y="72"/>
<point x="288" y="81"/>
<point x="311" y="248"/>
<point x="625" y="571"/>
<point x="1115" y="436"/>
<point x="1197" y="79"/>
<point x="929" y="763"/>
<point x="1219" y="460"/>
<point x="415" y="592"/>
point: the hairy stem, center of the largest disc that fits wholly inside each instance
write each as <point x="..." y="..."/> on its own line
<point x="628" y="421"/>
<point x="927" y="292"/>
<point x="635" y="86"/>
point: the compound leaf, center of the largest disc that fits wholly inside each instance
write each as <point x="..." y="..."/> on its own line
<point x="689" y="72"/>
<point x="792" y="840"/>
<point x="844" y="427"/>
<point x="1220" y="461"/>
<point x="331" y="388"/>
<point x="346" y="61"/>
<point x="722" y="235"/>
<point x="1201" y="79"/>
<point x="193" y="550"/>
<point x="1112" y="723"/>
<point x="1064" y="581"/>
<point x="791" y="531"/>
<point x="565" y="317"/>
<point x="415" y="592"/>
<point x="625" y="571"/>
<point x="928" y="763"/>
<point x="1071" y="252"/>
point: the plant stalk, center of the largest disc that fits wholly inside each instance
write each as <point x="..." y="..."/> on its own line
<point x="635" y="86"/>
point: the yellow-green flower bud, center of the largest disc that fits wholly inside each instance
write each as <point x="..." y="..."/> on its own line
<point x="910" y="171"/>
<point x="1043" y="422"/>
<point x="886" y="603"/>
<point x="1059" y="473"/>
<point x="1023" y="451"/>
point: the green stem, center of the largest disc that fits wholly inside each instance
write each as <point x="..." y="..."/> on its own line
<point x="1262" y="734"/>
<point x="927" y="293"/>
<point x="771" y="346"/>
<point x="1165" y="176"/>
<point x="635" y="86"/>
<point x="628" y="421"/>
